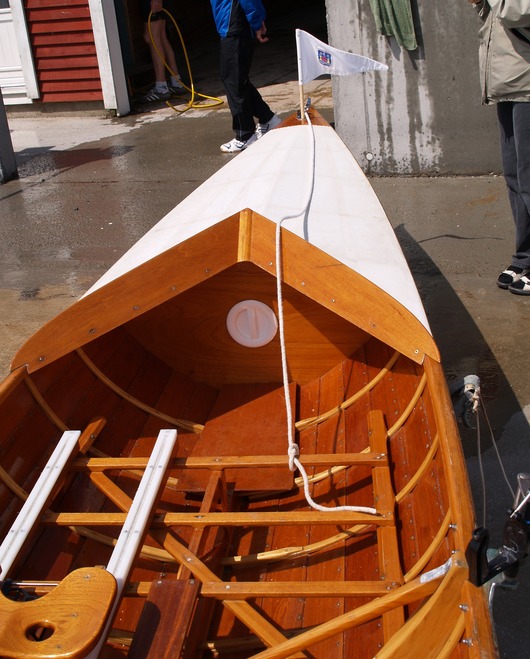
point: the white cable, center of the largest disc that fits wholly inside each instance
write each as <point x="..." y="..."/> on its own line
<point x="293" y="450"/>
<point x="492" y="436"/>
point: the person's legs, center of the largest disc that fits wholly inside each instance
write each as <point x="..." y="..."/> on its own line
<point x="155" y="41"/>
<point x="521" y="126"/>
<point x="235" y="66"/>
<point x="514" y="123"/>
<point x="257" y="106"/>
<point x="168" y="53"/>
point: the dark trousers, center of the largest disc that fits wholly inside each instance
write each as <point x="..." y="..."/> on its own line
<point x="514" y="122"/>
<point x="244" y="99"/>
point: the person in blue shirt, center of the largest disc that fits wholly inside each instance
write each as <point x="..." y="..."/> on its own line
<point x="240" y="23"/>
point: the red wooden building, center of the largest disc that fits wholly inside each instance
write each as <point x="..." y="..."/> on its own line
<point x="62" y="51"/>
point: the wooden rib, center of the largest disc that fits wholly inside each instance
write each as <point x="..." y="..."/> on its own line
<point x="292" y="553"/>
<point x="12" y="485"/>
<point x="221" y="519"/>
<point x="11" y="382"/>
<point x="419" y="473"/>
<point x="179" y="423"/>
<point x="304" y="424"/>
<point x="412" y="404"/>
<point x="88" y="435"/>
<point x="149" y="553"/>
<point x="429" y="553"/>
<point x="406" y="594"/>
<point x="239" y="590"/>
<point x="57" y="422"/>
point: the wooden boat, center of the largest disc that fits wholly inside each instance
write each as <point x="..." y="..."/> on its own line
<point x="161" y="428"/>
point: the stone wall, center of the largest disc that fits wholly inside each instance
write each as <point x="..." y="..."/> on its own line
<point x="424" y="115"/>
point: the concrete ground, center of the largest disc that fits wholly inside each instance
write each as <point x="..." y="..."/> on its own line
<point x="91" y="186"/>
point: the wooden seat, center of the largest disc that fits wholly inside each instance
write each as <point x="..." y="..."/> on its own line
<point x="66" y="622"/>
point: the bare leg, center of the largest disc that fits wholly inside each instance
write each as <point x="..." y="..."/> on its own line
<point x="160" y="49"/>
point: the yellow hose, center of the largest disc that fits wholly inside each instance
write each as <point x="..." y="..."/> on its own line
<point x="191" y="89"/>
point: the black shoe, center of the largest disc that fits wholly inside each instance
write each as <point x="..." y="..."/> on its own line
<point x="510" y="275"/>
<point x="154" y="95"/>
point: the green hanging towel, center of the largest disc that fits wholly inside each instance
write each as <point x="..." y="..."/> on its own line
<point x="393" y="18"/>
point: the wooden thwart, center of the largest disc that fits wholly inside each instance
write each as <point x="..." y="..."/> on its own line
<point x="218" y="463"/>
<point x="245" y="590"/>
<point x="223" y="519"/>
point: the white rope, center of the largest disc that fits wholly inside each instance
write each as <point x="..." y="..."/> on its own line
<point x="476" y="398"/>
<point x="293" y="450"/>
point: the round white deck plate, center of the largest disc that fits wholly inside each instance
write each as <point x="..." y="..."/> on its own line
<point x="252" y="323"/>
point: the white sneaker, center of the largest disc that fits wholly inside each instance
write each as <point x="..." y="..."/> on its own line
<point x="235" y="145"/>
<point x="263" y="129"/>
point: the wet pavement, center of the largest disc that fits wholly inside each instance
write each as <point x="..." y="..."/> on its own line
<point x="91" y="186"/>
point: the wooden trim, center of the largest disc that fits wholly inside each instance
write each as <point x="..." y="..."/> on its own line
<point x="337" y="288"/>
<point x="24" y="48"/>
<point x="478" y="622"/>
<point x="453" y="638"/>
<point x="146" y="552"/>
<point x="387" y="540"/>
<point x="11" y="382"/>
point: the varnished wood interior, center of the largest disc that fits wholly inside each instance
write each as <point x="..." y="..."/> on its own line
<point x="189" y="332"/>
<point x="257" y="571"/>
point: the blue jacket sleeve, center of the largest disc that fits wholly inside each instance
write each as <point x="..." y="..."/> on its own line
<point x="254" y="11"/>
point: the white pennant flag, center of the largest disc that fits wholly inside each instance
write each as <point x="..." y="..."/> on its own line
<point x="316" y="58"/>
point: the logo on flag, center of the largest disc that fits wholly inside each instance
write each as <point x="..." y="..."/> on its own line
<point x="324" y="58"/>
<point x="316" y="58"/>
